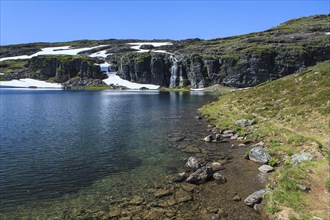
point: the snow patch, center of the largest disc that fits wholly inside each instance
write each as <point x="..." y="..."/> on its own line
<point x="64" y="50"/>
<point x="27" y="82"/>
<point x="114" y="79"/>
<point x="102" y="53"/>
<point x="136" y="46"/>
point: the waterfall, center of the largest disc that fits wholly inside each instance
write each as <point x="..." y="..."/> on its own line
<point x="174" y="76"/>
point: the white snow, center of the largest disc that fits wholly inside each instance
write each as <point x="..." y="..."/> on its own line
<point x="102" y="53"/>
<point x="137" y="45"/>
<point x="27" y="82"/>
<point x="116" y="80"/>
<point x="64" y="50"/>
<point x="201" y="89"/>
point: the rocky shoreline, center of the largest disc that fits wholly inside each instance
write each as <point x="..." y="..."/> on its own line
<point x="215" y="181"/>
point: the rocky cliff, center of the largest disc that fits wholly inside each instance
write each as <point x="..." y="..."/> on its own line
<point x="57" y="68"/>
<point x="238" y="61"/>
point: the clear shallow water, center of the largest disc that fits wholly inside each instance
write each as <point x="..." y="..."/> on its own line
<point x="75" y="147"/>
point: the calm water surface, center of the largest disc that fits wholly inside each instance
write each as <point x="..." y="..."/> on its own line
<point x="59" y="146"/>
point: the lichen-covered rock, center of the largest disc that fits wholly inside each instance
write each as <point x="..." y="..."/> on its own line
<point x="259" y="155"/>
<point x="244" y="122"/>
<point x="297" y="158"/>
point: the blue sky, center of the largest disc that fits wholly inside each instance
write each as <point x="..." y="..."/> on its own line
<point x="53" y="21"/>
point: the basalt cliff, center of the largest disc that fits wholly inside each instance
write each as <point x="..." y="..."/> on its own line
<point x="239" y="61"/>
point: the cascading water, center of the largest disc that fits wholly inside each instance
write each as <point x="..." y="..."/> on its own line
<point x="174" y="75"/>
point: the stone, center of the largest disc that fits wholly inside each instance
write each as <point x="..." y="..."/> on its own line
<point x="188" y="187"/>
<point x="303" y="187"/>
<point x="234" y="137"/>
<point x="162" y="193"/>
<point x="297" y="158"/>
<point x="183" y="196"/>
<point x="216" y="166"/>
<point x="236" y="198"/>
<point x="219" y="178"/>
<point x="218" y="137"/>
<point x="192" y="163"/>
<point x="208" y="138"/>
<point x="241" y="145"/>
<point x="198" y="117"/>
<point x="259" y="155"/>
<point x="179" y="177"/>
<point x="265" y="169"/>
<point x="240" y="138"/>
<point x="229" y="135"/>
<point x="228" y="132"/>
<point x="200" y="176"/>
<point x="259" y="144"/>
<point x="244" y="122"/>
<point x="114" y="213"/>
<point x="136" y="200"/>
<point x="256" y="197"/>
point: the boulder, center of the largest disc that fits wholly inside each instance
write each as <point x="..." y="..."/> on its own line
<point x="297" y="158"/>
<point x="180" y="177"/>
<point x="259" y="155"/>
<point x="192" y="163"/>
<point x="201" y="175"/>
<point x="244" y="122"/>
<point x="265" y="169"/>
<point x="256" y="197"/>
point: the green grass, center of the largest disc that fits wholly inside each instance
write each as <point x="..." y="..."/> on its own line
<point x="97" y="88"/>
<point x="182" y="89"/>
<point x="292" y="116"/>
<point x="10" y="66"/>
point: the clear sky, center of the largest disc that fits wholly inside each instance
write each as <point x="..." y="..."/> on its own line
<point x="27" y="21"/>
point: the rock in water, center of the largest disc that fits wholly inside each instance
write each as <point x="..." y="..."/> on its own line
<point x="259" y="155"/>
<point x="208" y="138"/>
<point x="201" y="175"/>
<point x="256" y="197"/>
<point x="192" y="163"/>
<point x="244" y="122"/>
<point x="219" y="178"/>
<point x="265" y="169"/>
<point x="297" y="158"/>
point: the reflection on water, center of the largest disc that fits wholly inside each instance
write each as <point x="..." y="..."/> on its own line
<point x="61" y="145"/>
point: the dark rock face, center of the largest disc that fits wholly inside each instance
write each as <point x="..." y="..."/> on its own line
<point x="63" y="68"/>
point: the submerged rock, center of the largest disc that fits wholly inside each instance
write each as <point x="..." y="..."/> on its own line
<point x="201" y="175"/>
<point x="259" y="155"/>
<point x="180" y="177"/>
<point x="192" y="163"/>
<point x="256" y="197"/>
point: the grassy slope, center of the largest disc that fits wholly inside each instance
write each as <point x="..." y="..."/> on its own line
<point x="293" y="115"/>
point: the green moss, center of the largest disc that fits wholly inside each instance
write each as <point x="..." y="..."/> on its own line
<point x="97" y="88"/>
<point x="10" y="66"/>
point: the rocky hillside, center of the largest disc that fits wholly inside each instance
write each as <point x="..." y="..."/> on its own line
<point x="239" y="61"/>
<point x="291" y="121"/>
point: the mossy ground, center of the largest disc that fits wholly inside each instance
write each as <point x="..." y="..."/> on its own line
<point x="292" y="115"/>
